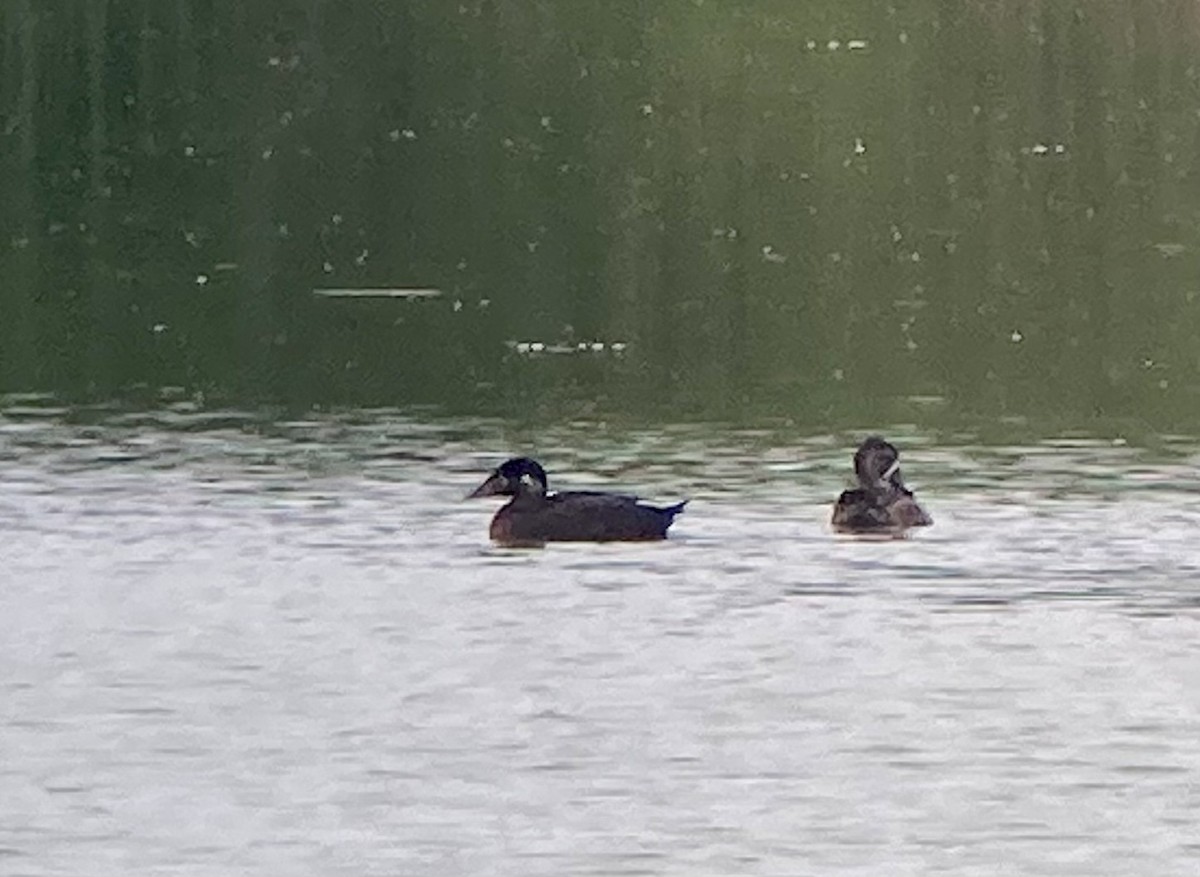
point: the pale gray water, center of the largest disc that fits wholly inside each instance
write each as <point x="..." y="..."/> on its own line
<point x="231" y="646"/>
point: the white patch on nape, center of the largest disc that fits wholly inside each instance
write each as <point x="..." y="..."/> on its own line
<point x="890" y="471"/>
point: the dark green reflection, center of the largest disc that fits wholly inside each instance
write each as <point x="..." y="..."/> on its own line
<point x="777" y="210"/>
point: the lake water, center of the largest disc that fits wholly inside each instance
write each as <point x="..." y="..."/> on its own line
<point x="283" y="281"/>
<point x="231" y="643"/>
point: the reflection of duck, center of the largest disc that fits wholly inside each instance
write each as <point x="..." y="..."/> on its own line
<point x="881" y="502"/>
<point x="534" y="515"/>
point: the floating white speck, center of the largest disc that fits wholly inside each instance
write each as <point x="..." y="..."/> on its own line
<point x="189" y="151"/>
<point x="1040" y="149"/>
<point x="859" y="147"/>
<point x="618" y="346"/>
<point x="838" y="374"/>
<point x="361" y="258"/>
<point x="1016" y="337"/>
<point x="811" y="45"/>
<point x="201" y="279"/>
<point x="394" y="135"/>
<point x="546" y="122"/>
<point x="484" y="302"/>
<point x="537" y="347"/>
<point x="522" y="347"/>
<point x="1059" y="149"/>
<point x="647" y="109"/>
<point x="457" y="305"/>
<point x="408" y="134"/>
<point x="903" y="38"/>
<point x="597" y="346"/>
<point x="159" y="328"/>
<point x="768" y="253"/>
<point x="327" y="267"/>
<point x="855" y="45"/>
<point x="267" y="153"/>
<point x="833" y="45"/>
<point x="336" y="219"/>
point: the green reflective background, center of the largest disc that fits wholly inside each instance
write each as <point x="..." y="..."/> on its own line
<point x="849" y="212"/>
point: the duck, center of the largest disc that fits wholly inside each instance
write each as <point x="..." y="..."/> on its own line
<point x="535" y="515"/>
<point x="881" y="503"/>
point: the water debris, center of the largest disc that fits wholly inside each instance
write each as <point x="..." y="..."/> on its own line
<point x="769" y="254"/>
<point x="859" y="146"/>
<point x="409" y="293"/>
<point x="201" y="279"/>
<point x="1016" y="337"/>
<point x="836" y="44"/>
<point x="1170" y="251"/>
<point x="1041" y="149"/>
<point x="565" y="348"/>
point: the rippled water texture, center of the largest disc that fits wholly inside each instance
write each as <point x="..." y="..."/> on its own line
<point x="233" y="645"/>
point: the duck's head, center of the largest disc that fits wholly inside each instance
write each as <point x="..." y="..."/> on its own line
<point x="877" y="464"/>
<point x="519" y="475"/>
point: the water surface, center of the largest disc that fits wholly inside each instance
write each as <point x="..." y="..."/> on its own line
<point x="232" y="643"/>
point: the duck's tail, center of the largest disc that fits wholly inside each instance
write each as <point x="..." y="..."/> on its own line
<point x="672" y="510"/>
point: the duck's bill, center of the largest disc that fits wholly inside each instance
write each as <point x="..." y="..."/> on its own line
<point x="492" y="487"/>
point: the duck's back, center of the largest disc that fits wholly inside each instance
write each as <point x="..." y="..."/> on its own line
<point x="581" y="516"/>
<point x="864" y="511"/>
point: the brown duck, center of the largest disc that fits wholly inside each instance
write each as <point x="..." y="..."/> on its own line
<point x="881" y="503"/>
